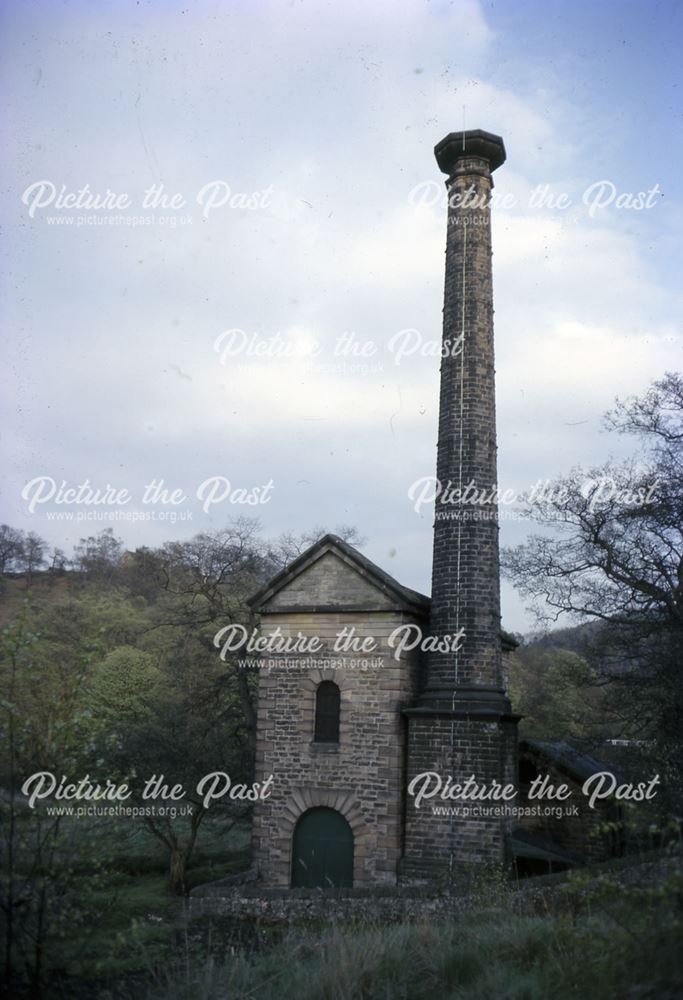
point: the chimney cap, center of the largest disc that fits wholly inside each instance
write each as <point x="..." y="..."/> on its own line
<point x="474" y="143"/>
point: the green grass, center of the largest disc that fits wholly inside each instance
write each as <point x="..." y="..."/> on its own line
<point x="601" y="941"/>
<point x="502" y="956"/>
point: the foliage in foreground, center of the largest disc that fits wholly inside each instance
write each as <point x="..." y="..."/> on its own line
<point x="605" y="943"/>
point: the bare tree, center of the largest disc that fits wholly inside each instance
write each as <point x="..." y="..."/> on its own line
<point x="97" y="557"/>
<point x="33" y="555"/>
<point x="612" y="551"/>
<point x="11" y="548"/>
<point x="58" y="561"/>
<point x="289" y="546"/>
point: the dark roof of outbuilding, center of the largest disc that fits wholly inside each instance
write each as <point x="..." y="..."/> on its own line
<point x="567" y="758"/>
<point x="527" y="844"/>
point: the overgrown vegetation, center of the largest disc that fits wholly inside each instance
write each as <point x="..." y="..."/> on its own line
<point x="597" y="939"/>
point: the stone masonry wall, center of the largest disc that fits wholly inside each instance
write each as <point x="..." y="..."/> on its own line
<point x="465" y="573"/>
<point x="438" y="844"/>
<point x="362" y="776"/>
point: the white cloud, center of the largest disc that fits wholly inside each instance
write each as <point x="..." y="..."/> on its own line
<point x="338" y="108"/>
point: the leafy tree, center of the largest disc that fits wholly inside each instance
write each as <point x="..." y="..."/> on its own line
<point x="558" y="693"/>
<point x="44" y="893"/>
<point x="176" y="723"/>
<point x="122" y="686"/>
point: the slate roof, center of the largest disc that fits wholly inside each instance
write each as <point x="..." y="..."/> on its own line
<point x="567" y="758"/>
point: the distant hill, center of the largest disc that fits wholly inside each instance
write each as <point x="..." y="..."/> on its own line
<point x="579" y="639"/>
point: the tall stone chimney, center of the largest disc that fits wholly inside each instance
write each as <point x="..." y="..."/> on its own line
<point x="465" y="568"/>
<point x="462" y="726"/>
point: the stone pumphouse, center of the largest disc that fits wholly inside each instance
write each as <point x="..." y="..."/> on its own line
<point x="346" y="730"/>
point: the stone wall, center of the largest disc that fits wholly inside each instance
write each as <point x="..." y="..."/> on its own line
<point x="457" y="747"/>
<point x="363" y="776"/>
<point x="298" y="905"/>
<point x="548" y="894"/>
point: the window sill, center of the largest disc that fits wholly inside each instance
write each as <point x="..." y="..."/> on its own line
<point x="320" y="747"/>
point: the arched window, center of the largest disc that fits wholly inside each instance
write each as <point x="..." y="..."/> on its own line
<point x="327" y="713"/>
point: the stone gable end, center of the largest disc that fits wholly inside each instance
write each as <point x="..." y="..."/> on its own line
<point x="331" y="582"/>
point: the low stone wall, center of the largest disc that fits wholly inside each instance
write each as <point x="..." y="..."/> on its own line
<point x="293" y="906"/>
<point x="243" y="897"/>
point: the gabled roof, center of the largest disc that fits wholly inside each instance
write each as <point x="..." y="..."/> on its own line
<point x="397" y="596"/>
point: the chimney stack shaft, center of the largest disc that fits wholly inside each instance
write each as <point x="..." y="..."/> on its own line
<point x="465" y="571"/>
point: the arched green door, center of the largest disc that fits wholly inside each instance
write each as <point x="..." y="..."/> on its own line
<point x="322" y="853"/>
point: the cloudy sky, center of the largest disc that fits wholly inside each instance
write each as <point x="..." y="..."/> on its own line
<point x="289" y="149"/>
